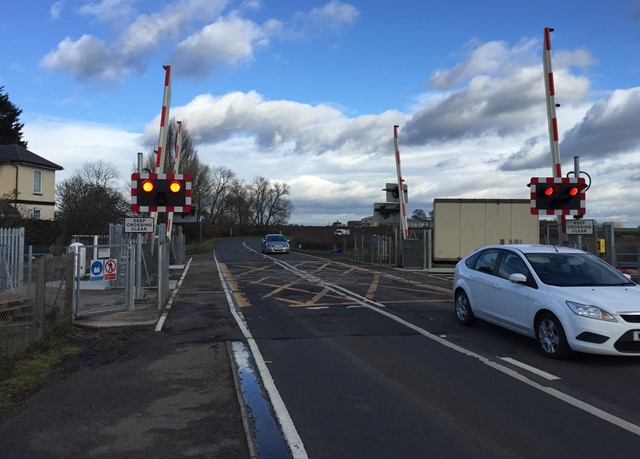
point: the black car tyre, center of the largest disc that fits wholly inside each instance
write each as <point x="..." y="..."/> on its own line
<point x="463" y="309"/>
<point x="551" y="338"/>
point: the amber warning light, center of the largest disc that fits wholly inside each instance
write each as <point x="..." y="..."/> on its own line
<point x="152" y="192"/>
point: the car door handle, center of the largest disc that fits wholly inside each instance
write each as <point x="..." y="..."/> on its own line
<point x="496" y="285"/>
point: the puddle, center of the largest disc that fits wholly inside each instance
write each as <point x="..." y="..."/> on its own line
<point x="268" y="439"/>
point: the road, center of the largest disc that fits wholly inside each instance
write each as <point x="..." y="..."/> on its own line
<point x="371" y="362"/>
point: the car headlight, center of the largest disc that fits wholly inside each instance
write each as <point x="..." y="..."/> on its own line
<point x="590" y="311"/>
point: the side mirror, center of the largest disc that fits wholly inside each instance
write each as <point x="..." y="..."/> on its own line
<point x="518" y="278"/>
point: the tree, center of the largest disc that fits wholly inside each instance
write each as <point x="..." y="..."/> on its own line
<point x="419" y="214"/>
<point x="88" y="202"/>
<point x="268" y="203"/>
<point x="10" y="216"/>
<point x="220" y="195"/>
<point x="10" y="126"/>
<point x="189" y="163"/>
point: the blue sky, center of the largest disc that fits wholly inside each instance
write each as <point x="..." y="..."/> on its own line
<point x="307" y="92"/>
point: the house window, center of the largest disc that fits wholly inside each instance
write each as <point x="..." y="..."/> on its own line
<point x="37" y="182"/>
<point x="36" y="214"/>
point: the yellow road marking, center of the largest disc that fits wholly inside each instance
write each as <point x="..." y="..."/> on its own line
<point x="373" y="287"/>
<point x="241" y="299"/>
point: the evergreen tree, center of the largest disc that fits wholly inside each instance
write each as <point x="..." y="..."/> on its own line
<point x="10" y="126"/>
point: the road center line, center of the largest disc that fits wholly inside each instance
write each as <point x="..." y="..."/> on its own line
<point x="379" y="308"/>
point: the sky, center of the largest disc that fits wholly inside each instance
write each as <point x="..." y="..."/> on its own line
<point x="307" y="92"/>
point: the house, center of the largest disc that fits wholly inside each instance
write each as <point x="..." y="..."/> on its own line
<point x="28" y="182"/>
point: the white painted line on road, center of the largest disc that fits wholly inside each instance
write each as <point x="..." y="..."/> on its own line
<point x="173" y="296"/>
<point x="531" y="369"/>
<point x="380" y="309"/>
<point x="623" y="424"/>
<point x="282" y="414"/>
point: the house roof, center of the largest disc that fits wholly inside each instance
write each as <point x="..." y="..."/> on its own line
<point x="19" y="155"/>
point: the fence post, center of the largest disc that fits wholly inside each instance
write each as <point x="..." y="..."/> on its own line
<point x="69" y="286"/>
<point x="39" y="299"/>
<point x="129" y="290"/>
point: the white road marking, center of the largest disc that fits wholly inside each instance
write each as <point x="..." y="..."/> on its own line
<point x="173" y="296"/>
<point x="531" y="369"/>
<point x="289" y="430"/>
<point x="380" y="309"/>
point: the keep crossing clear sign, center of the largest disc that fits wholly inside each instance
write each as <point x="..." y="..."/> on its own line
<point x="580" y="226"/>
<point x="138" y="225"/>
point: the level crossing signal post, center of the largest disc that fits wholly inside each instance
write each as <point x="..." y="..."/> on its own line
<point x="558" y="196"/>
<point x="160" y="192"/>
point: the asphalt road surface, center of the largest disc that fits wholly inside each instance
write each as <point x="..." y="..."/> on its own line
<point x="372" y="363"/>
<point x="352" y="360"/>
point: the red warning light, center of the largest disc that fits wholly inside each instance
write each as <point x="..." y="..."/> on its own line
<point x="574" y="191"/>
<point x="548" y="191"/>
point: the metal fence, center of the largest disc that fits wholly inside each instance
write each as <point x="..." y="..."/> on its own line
<point x="38" y="306"/>
<point x="384" y="247"/>
<point x="40" y="293"/>
<point x="11" y="258"/>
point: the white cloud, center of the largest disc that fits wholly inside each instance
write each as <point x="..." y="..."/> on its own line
<point x="56" y="10"/>
<point x="332" y="16"/>
<point x="84" y="58"/>
<point x="609" y="128"/>
<point x="204" y="37"/>
<point x="107" y="10"/>
<point x="283" y="126"/>
<point x="228" y="41"/>
<point x="70" y="144"/>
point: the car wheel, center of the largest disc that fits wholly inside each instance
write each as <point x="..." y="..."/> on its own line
<point x="551" y="338"/>
<point x="463" y="309"/>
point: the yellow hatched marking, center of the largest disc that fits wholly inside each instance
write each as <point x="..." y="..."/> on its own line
<point x="319" y="295"/>
<point x="282" y="288"/>
<point x="373" y="287"/>
<point x="297" y="304"/>
<point x="241" y="300"/>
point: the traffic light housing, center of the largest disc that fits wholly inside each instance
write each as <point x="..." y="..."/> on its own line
<point x="393" y="195"/>
<point x="386" y="209"/>
<point x="160" y="192"/>
<point x="558" y="196"/>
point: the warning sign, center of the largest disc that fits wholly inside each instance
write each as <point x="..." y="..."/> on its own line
<point x="138" y="225"/>
<point x="580" y="226"/>
<point x="110" y="269"/>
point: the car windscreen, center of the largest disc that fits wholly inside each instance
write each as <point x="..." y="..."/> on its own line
<point x="276" y="239"/>
<point x="575" y="270"/>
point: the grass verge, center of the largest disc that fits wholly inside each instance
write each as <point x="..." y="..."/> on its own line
<point x="59" y="354"/>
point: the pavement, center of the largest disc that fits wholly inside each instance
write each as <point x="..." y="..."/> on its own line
<point x="170" y="394"/>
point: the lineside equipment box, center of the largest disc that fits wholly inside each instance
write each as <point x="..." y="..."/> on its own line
<point x="463" y="225"/>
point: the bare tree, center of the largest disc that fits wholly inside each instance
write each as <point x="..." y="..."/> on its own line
<point x="269" y="203"/>
<point x="189" y="163"/>
<point x="98" y="173"/>
<point x="220" y="196"/>
<point x="87" y="202"/>
<point x="241" y="204"/>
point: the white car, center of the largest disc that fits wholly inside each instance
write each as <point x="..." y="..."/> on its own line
<point x="567" y="299"/>
<point x="275" y="243"/>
